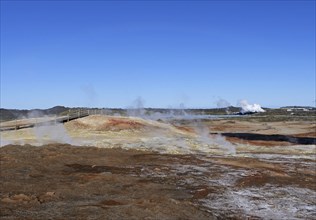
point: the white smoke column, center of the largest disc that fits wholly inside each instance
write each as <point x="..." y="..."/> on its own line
<point x="182" y="109"/>
<point x="203" y="133"/>
<point x="222" y="103"/>
<point x="246" y="107"/>
<point x="4" y="142"/>
<point x="34" y="114"/>
<point x="224" y="144"/>
<point x="52" y="132"/>
<point x="90" y="94"/>
<point x="137" y="108"/>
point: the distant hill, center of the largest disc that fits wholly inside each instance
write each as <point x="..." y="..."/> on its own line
<point x="11" y="114"/>
<point x="299" y="107"/>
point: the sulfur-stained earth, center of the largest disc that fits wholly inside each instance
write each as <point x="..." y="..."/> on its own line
<point x="132" y="168"/>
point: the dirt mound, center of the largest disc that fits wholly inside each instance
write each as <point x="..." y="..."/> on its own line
<point x="112" y="123"/>
<point x="185" y="129"/>
<point x="119" y="123"/>
<point x="106" y="123"/>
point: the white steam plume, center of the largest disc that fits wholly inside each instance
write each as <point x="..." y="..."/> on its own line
<point x="249" y="108"/>
<point x="52" y="132"/>
<point x="90" y="94"/>
<point x="4" y="142"/>
<point x="137" y="108"/>
<point x="204" y="137"/>
<point x="222" y="103"/>
<point x="46" y="131"/>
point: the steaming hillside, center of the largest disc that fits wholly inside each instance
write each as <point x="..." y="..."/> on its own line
<point x="113" y="166"/>
<point x="12" y="114"/>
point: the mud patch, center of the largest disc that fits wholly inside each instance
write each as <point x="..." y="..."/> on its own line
<point x="272" y="137"/>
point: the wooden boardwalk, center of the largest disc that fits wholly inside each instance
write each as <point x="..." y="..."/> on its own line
<point x="32" y="122"/>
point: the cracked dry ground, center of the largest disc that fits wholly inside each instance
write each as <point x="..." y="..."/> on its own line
<point x="67" y="182"/>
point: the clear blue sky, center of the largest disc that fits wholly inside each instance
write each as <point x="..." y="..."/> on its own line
<point x="108" y="53"/>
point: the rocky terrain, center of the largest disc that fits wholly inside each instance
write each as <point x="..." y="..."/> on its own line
<point x="110" y="167"/>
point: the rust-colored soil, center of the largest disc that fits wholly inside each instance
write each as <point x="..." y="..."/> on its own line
<point x="124" y="124"/>
<point x="68" y="182"/>
<point x="100" y="123"/>
<point x="307" y="134"/>
<point x="182" y="172"/>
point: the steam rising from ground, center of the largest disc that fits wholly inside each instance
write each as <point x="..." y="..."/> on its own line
<point x="160" y="140"/>
<point x="53" y="132"/>
<point x="48" y="131"/>
<point x="34" y="114"/>
<point x="137" y="108"/>
<point x="124" y="132"/>
<point x="90" y="94"/>
<point x="4" y="141"/>
<point x="215" y="140"/>
<point x="249" y="108"/>
<point x="162" y="136"/>
<point x="222" y="103"/>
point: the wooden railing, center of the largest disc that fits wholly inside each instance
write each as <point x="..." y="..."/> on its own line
<point x="32" y="122"/>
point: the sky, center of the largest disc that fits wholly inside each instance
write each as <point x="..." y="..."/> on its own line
<point x="165" y="53"/>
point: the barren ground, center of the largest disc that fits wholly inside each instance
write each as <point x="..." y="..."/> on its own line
<point x="131" y="168"/>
